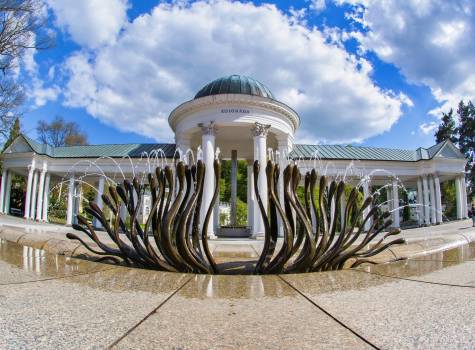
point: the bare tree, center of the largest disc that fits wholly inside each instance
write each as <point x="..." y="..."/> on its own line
<point x="22" y="27"/>
<point x="60" y="133"/>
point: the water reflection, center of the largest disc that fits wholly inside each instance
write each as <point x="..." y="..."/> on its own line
<point x="424" y="265"/>
<point x="236" y="287"/>
<point x="40" y="263"/>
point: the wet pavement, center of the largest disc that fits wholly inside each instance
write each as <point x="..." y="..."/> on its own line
<point x="57" y="302"/>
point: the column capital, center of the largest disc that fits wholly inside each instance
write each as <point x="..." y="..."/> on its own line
<point x="208" y="128"/>
<point x="32" y="165"/>
<point x="260" y="129"/>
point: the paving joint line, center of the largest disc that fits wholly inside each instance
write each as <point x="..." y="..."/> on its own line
<point x="58" y="278"/>
<point x="122" y="337"/>
<point x="255" y="251"/>
<point x="341" y="323"/>
<point x="413" y="280"/>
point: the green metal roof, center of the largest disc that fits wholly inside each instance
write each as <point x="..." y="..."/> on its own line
<point x="337" y="152"/>
<point x="328" y="152"/>
<point x="133" y="150"/>
<point x="235" y="84"/>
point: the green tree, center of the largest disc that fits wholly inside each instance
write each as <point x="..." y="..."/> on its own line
<point x="241" y="212"/>
<point x="14" y="133"/>
<point x="447" y="129"/>
<point x="466" y="140"/>
<point x="448" y="197"/>
<point x="225" y="181"/>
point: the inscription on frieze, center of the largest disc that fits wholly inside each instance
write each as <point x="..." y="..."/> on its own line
<point x="235" y="110"/>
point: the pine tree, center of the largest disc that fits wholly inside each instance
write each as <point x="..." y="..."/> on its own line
<point x="447" y="128"/>
<point x="14" y="133"/>
<point x="466" y="141"/>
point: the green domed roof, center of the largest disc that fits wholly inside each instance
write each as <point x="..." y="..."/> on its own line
<point x="235" y="84"/>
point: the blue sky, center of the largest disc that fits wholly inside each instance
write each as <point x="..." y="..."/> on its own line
<point x="357" y="71"/>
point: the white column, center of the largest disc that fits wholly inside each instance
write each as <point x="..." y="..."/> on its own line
<point x="464" y="197"/>
<point x="2" y="191"/>
<point x="395" y="203"/>
<point x="420" y="202"/>
<point x="285" y="147"/>
<point x="41" y="187"/>
<point x="366" y="194"/>
<point x="459" y="197"/>
<point x="425" y="189"/>
<point x="433" y="206"/>
<point x="184" y="144"/>
<point x="389" y="194"/>
<point x="8" y="192"/>
<point x="208" y="146"/>
<point x="123" y="212"/>
<point x="34" y="192"/>
<point x="29" y="185"/>
<point x="70" y="209"/>
<point x="438" y="200"/>
<point x="250" y="196"/>
<point x="46" y="198"/>
<point x="100" y="204"/>
<point x="259" y="133"/>
<point x="342" y="210"/>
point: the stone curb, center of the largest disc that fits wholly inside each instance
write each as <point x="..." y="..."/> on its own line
<point x="48" y="244"/>
<point x="414" y="247"/>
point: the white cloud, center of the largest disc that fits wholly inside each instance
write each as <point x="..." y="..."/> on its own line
<point x="163" y="58"/>
<point x="430" y="41"/>
<point x="35" y="87"/>
<point x="90" y="23"/>
<point x="41" y="94"/>
<point x="318" y="5"/>
<point x="428" y="128"/>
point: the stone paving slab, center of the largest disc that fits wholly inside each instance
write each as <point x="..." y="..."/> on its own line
<point x="81" y="312"/>
<point x="442" y="272"/>
<point x="454" y="266"/>
<point x="240" y="312"/>
<point x="58" y="302"/>
<point x="394" y="313"/>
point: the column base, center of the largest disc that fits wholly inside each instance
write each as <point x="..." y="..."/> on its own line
<point x="257" y="235"/>
<point x="212" y="236"/>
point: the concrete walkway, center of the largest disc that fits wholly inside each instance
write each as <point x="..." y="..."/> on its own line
<point x="51" y="301"/>
<point x="57" y="302"/>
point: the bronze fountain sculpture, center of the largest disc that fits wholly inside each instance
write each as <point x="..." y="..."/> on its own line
<point x="173" y="239"/>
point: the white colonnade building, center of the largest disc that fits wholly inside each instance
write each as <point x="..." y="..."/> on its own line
<point x="240" y="116"/>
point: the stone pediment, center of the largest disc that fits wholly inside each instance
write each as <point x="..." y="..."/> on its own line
<point x="20" y="145"/>
<point x="449" y="151"/>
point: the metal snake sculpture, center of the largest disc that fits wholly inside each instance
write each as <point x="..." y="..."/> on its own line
<point x="172" y="239"/>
